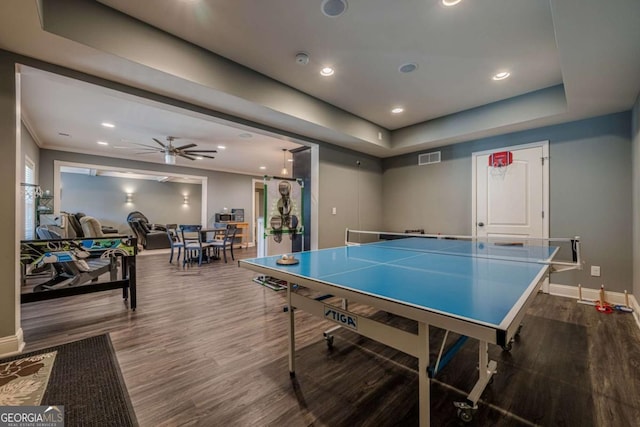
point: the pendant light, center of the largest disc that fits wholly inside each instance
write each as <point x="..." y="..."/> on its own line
<point x="284" y="170"/>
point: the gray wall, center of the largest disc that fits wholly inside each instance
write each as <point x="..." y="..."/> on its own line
<point x="353" y="190"/>
<point x="104" y="198"/>
<point x="224" y="189"/>
<point x="590" y="192"/>
<point x="635" y="135"/>
<point x="28" y="148"/>
<point x="9" y="314"/>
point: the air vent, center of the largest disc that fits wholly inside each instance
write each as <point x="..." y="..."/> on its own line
<point x="429" y="158"/>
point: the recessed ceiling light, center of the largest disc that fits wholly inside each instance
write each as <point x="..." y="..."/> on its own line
<point x="397" y="110"/>
<point x="334" y="8"/>
<point x="222" y="147"/>
<point x="501" y="76"/>
<point x="245" y="135"/>
<point x="263" y="167"/>
<point x="199" y="157"/>
<point x="108" y="125"/>
<point x="327" y="71"/>
<point x="450" y="2"/>
<point x="408" y="67"/>
<point x="289" y="160"/>
<point x="103" y="143"/>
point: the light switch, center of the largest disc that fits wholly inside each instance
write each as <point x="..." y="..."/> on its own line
<point x="333" y="211"/>
<point x="595" y="270"/>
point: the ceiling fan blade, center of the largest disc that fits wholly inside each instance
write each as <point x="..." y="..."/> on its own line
<point x="208" y="157"/>
<point x="159" y="143"/>
<point x="186" y="146"/>
<point x="199" y="151"/>
<point x="186" y="156"/>
<point x="150" y="147"/>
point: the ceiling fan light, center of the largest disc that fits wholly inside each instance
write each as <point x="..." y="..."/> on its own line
<point x="169" y="159"/>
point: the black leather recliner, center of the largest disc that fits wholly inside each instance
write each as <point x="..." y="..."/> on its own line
<point x="137" y="215"/>
<point x="150" y="236"/>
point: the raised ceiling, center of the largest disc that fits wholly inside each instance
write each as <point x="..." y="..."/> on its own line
<point x="568" y="59"/>
<point x="457" y="49"/>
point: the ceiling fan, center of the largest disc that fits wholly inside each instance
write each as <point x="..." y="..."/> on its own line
<point x="170" y="151"/>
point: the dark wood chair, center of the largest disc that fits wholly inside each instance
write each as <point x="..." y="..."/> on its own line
<point x="175" y="239"/>
<point x="226" y="242"/>
<point x="194" y="247"/>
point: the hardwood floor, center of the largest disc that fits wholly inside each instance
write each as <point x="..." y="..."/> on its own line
<point x="208" y="347"/>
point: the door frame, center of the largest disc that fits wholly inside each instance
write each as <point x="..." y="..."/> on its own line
<point x="545" y="182"/>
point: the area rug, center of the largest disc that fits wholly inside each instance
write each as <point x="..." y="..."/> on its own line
<point x="83" y="376"/>
<point x="23" y="381"/>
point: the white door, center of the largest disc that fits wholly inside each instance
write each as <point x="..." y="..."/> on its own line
<point x="512" y="200"/>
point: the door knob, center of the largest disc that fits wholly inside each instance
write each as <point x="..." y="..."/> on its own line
<point x="481" y="224"/>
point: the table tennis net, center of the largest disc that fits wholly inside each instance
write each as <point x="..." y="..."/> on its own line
<point x="560" y="251"/>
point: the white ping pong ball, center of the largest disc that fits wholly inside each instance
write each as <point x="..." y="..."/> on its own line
<point x="285" y="257"/>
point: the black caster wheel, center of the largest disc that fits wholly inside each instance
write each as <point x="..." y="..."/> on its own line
<point x="507" y="347"/>
<point x="465" y="415"/>
<point x="464" y="411"/>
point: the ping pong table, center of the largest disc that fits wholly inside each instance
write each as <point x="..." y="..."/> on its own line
<point x="476" y="289"/>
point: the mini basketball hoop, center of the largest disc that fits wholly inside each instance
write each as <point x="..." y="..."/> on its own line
<point x="499" y="163"/>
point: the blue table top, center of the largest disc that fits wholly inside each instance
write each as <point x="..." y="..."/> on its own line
<point x="475" y="281"/>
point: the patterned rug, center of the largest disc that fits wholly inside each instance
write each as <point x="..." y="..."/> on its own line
<point x="23" y="381"/>
<point x="83" y="376"/>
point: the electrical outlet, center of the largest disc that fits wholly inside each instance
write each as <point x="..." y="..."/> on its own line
<point x="595" y="270"/>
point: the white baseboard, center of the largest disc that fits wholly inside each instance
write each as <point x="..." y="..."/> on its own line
<point x="12" y="344"/>
<point x="594" y="294"/>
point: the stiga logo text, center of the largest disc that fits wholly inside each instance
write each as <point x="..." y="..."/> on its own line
<point x="341" y="317"/>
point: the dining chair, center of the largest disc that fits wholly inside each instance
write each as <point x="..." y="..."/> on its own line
<point x="193" y="244"/>
<point x="175" y="240"/>
<point x="226" y="242"/>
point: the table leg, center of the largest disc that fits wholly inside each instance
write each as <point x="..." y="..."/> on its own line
<point x="133" y="292"/>
<point x="424" y="401"/>
<point x="486" y="369"/>
<point x="292" y="335"/>
<point x="483" y="360"/>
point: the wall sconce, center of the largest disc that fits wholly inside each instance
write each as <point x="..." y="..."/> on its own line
<point x="185" y="199"/>
<point x="129" y="198"/>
